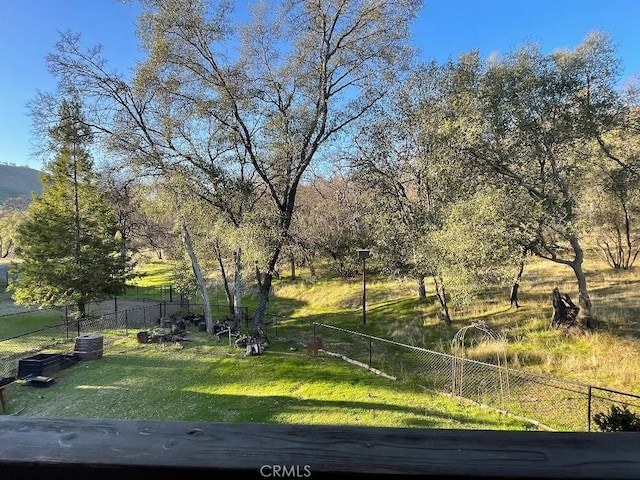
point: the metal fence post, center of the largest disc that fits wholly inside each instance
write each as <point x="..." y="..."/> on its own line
<point x="589" y="410"/>
<point x="126" y="322"/>
<point x="314" y="332"/>
<point x="370" y="352"/>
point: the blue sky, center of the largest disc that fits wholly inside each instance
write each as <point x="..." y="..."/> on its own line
<point x="445" y="28"/>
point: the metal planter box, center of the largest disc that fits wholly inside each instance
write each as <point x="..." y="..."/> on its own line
<point x="40" y="365"/>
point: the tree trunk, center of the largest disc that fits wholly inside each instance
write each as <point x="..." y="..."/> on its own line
<point x="442" y="298"/>
<point x="225" y="279"/>
<point x="627" y="237"/>
<point x="585" y="317"/>
<point x="186" y="238"/>
<point x="258" y="276"/>
<point x="422" y="289"/>
<point x="5" y="253"/>
<point x="82" y="312"/>
<point x="292" y="262"/>
<point x="263" y="301"/>
<point x="312" y="267"/>
<point x="513" y="298"/>
<point x="265" y="290"/>
<point x="76" y="206"/>
<point x="237" y="286"/>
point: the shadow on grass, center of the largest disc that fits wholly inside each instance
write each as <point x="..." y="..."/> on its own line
<point x="276" y="408"/>
<point x="208" y="384"/>
<point x="149" y="401"/>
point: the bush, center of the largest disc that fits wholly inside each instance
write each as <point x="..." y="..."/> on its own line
<point x="618" y="420"/>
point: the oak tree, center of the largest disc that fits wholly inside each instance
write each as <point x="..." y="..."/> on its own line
<point x="524" y="120"/>
<point x="268" y="97"/>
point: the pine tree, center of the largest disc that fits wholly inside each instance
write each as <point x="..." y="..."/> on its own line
<point x="68" y="244"/>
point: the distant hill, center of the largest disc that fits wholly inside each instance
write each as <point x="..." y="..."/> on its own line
<point x="18" y="182"/>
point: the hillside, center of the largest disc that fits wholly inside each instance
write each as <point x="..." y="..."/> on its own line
<point x="609" y="356"/>
<point x="18" y="182"/>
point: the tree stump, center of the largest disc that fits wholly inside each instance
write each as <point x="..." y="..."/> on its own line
<point x="143" y="337"/>
<point x="513" y="298"/>
<point x="564" y="310"/>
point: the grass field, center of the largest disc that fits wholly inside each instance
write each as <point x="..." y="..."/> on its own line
<point x="211" y="382"/>
<point x="609" y="356"/>
<point x="206" y="381"/>
<point x="18" y="319"/>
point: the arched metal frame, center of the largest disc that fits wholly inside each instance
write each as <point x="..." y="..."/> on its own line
<point x="458" y="350"/>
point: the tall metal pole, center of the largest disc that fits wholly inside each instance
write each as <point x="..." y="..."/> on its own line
<point x="364" y="291"/>
<point x="589" y="410"/>
<point x="363" y="254"/>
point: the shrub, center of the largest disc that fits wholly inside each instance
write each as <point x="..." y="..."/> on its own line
<point x="618" y="420"/>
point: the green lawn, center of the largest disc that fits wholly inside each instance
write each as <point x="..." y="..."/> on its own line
<point x="19" y="323"/>
<point x="153" y="273"/>
<point x="609" y="356"/>
<point x="208" y="381"/>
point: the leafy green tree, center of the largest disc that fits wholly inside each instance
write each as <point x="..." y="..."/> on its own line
<point x="303" y="73"/>
<point x="621" y="146"/>
<point x="123" y="192"/>
<point x="524" y="120"/>
<point x="610" y="201"/>
<point x="410" y="179"/>
<point x="67" y="242"/>
<point x="330" y="220"/>
<point x="157" y="221"/>
<point x="612" y="209"/>
<point x="476" y="244"/>
<point x="12" y="213"/>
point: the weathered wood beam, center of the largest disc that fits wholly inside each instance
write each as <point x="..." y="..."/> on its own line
<point x="95" y="449"/>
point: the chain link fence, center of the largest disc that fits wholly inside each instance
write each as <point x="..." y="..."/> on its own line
<point x="549" y="402"/>
<point x="108" y="317"/>
<point x="6" y="276"/>
<point x="61" y="336"/>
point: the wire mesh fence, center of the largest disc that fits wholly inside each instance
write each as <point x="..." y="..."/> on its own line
<point x="60" y="336"/>
<point x="105" y="317"/>
<point x="550" y="402"/>
<point x="15" y="348"/>
<point x="130" y="318"/>
<point x="164" y="293"/>
<point x="6" y="276"/>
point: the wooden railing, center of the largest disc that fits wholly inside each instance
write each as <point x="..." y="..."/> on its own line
<point x="95" y="449"/>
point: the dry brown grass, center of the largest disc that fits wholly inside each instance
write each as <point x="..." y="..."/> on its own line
<point x="609" y="356"/>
